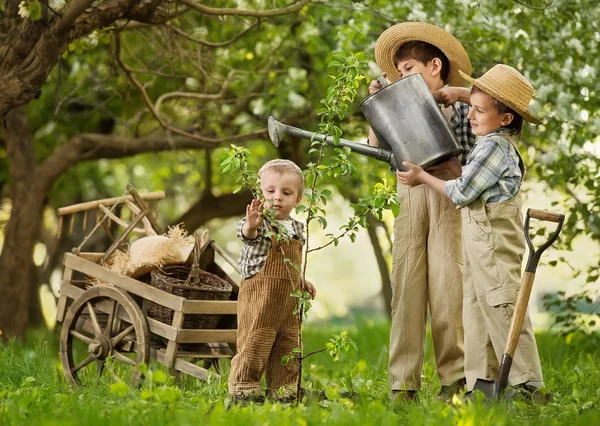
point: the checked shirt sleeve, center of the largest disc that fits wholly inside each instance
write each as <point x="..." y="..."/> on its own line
<point x="486" y="166"/>
<point x="462" y="129"/>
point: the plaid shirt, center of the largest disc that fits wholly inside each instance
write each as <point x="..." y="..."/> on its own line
<point x="493" y="172"/>
<point x="254" y="252"/>
<point x="461" y="126"/>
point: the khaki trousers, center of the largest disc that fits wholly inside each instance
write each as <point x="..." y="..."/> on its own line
<point x="494" y="244"/>
<point x="267" y="329"/>
<point x="426" y="273"/>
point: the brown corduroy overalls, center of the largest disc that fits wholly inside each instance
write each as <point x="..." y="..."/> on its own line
<point x="267" y="329"/>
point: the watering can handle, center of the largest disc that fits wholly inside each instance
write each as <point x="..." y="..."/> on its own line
<point x="544" y="215"/>
<point x="382" y="81"/>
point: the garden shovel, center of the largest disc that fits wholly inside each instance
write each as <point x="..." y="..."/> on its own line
<point x="495" y="389"/>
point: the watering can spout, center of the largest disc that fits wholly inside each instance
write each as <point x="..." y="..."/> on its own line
<point x="278" y="130"/>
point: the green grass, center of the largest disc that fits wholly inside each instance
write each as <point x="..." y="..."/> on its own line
<point x="33" y="390"/>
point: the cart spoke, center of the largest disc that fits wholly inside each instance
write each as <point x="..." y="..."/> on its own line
<point x="115" y="340"/>
<point x="87" y="340"/>
<point x="111" y="317"/>
<point x="100" y="368"/>
<point x="85" y="362"/>
<point x="118" y="355"/>
<point x="94" y="319"/>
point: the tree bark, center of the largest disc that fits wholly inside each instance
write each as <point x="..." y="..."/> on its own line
<point x="22" y="228"/>
<point x="384" y="272"/>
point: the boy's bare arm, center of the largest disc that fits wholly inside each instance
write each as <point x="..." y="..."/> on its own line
<point x="451" y="95"/>
<point x="373" y="141"/>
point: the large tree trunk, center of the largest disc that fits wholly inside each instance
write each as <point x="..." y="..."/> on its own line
<point x="28" y="194"/>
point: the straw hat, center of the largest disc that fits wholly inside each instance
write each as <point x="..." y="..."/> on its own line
<point x="507" y="85"/>
<point x="391" y="39"/>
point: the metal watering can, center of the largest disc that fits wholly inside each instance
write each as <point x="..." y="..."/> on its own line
<point x="407" y="121"/>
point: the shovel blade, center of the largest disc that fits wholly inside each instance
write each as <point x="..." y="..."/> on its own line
<point x="486" y="387"/>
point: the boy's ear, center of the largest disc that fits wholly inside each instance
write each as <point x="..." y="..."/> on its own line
<point x="507" y="119"/>
<point x="436" y="66"/>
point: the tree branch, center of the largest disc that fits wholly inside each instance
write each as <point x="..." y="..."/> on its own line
<point x="209" y="207"/>
<point x="208" y="43"/>
<point x="92" y="146"/>
<point x="294" y="7"/>
<point x="69" y="15"/>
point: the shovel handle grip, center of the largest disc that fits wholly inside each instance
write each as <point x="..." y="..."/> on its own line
<point x="545" y="215"/>
<point x="534" y="255"/>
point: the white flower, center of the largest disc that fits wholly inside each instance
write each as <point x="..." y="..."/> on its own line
<point x="24" y="9"/>
<point x="57" y="4"/>
<point x="93" y="38"/>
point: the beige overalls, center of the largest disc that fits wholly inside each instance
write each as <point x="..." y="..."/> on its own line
<point x="267" y="330"/>
<point x="426" y="272"/>
<point x="494" y="245"/>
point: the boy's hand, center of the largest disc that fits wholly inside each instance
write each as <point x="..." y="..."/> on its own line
<point x="451" y="95"/>
<point x="412" y="176"/>
<point x="254" y="216"/>
<point x="308" y="286"/>
<point x="375" y="86"/>
<point x="451" y="164"/>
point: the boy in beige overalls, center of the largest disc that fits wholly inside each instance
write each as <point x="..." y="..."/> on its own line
<point x="267" y="329"/>
<point x="487" y="190"/>
<point x="427" y="253"/>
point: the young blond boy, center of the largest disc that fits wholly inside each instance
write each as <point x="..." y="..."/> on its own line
<point x="267" y="329"/>
<point x="427" y="254"/>
<point x="487" y="191"/>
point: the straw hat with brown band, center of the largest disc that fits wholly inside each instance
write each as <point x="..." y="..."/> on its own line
<point x="391" y="39"/>
<point x="506" y="84"/>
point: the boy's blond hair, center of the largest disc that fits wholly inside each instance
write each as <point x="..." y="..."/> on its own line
<point x="282" y="166"/>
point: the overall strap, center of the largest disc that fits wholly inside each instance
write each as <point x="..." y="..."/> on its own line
<point x="511" y="140"/>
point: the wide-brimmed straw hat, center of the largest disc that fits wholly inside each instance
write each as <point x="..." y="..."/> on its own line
<point x="506" y="84"/>
<point x="391" y="39"/>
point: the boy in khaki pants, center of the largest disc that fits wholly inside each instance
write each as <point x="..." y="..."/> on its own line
<point x="427" y="252"/>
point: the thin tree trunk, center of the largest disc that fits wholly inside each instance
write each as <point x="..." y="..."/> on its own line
<point x="384" y="272"/>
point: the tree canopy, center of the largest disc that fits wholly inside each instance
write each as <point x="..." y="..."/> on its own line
<point x="95" y="94"/>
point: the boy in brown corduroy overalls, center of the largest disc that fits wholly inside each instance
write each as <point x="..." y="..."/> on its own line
<point x="267" y="329"/>
<point x="487" y="191"/>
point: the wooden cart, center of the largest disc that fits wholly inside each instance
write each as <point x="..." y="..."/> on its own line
<point x="110" y="322"/>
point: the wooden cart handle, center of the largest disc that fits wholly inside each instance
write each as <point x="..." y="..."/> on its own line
<point x="545" y="215"/>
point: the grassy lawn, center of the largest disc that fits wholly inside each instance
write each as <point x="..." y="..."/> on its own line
<point x="34" y="391"/>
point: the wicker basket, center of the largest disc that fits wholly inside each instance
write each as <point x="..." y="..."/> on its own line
<point x="172" y="279"/>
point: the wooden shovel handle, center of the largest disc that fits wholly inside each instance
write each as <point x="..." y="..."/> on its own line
<point x="516" y="325"/>
<point x="545" y="215"/>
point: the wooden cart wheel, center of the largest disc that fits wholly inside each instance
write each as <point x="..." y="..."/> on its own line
<point x="109" y="322"/>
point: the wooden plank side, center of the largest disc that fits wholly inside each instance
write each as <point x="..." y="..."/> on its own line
<point x="70" y="290"/>
<point x="161" y="329"/>
<point x="91" y="255"/>
<point x="61" y="306"/>
<point x="89" y="205"/>
<point x="206" y="336"/>
<point x="224" y="307"/>
<point x="171" y="352"/>
<point x="182" y="365"/>
<point x="126" y="283"/>
<point x="192" y="369"/>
